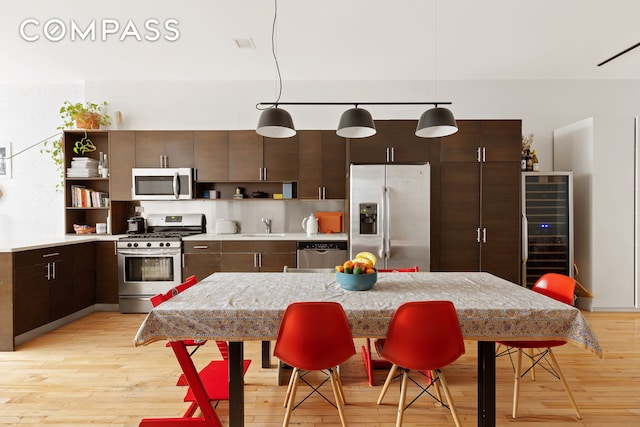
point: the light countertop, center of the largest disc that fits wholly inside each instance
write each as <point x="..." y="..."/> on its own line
<point x="16" y="245"/>
<point x="326" y="237"/>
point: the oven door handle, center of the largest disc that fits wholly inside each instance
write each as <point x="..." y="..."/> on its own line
<point x="148" y="252"/>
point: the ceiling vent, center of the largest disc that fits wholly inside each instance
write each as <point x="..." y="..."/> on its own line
<point x="246" y="43"/>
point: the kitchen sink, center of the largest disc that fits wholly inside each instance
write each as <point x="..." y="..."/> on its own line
<point x="263" y="235"/>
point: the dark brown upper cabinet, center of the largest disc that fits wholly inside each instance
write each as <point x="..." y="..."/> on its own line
<point x="322" y="165"/>
<point x="395" y="141"/>
<point x="159" y="149"/>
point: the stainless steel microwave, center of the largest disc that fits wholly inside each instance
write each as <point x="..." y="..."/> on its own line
<point x="162" y="183"/>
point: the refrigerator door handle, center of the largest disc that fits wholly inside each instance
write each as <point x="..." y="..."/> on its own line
<point x="387" y="231"/>
<point x="385" y="223"/>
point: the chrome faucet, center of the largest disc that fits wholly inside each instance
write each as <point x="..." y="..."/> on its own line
<point x="267" y="223"/>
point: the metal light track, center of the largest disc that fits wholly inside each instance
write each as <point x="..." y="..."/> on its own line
<point x="619" y="54"/>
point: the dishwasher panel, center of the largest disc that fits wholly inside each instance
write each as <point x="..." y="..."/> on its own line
<point x="321" y="254"/>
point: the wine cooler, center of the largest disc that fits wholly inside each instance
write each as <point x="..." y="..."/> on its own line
<point x="547" y="206"/>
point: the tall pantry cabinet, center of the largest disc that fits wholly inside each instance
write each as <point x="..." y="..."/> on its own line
<point x="480" y="205"/>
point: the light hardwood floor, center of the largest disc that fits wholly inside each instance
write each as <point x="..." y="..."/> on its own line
<point x="89" y="373"/>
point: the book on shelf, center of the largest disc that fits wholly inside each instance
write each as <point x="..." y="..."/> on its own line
<point x="82" y="197"/>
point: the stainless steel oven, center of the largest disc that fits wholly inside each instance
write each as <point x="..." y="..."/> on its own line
<point x="146" y="269"/>
<point x="151" y="263"/>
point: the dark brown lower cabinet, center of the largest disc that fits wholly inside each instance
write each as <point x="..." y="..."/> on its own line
<point x="257" y="255"/>
<point x="106" y="282"/>
<point x="85" y="275"/>
<point x="43" y="286"/>
<point x="201" y="258"/>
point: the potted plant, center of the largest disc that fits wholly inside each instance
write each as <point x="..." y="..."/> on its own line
<point x="86" y="115"/>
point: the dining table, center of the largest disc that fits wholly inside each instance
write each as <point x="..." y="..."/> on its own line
<point x="239" y="307"/>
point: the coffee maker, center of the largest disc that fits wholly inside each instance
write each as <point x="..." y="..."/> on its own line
<point x="136" y="225"/>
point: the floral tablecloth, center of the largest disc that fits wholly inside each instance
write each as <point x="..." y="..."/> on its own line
<point x="249" y="306"/>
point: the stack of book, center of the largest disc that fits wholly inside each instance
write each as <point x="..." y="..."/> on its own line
<point x="83" y="167"/>
<point x="82" y="197"/>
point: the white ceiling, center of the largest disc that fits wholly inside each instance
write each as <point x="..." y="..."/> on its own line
<point x="332" y="40"/>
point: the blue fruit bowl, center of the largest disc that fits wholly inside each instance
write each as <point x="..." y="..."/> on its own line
<point x="356" y="282"/>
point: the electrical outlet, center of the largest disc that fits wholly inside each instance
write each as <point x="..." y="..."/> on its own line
<point x="139" y="209"/>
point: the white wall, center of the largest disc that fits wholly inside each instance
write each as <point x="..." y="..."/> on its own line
<point x="542" y="105"/>
<point x="30" y="205"/>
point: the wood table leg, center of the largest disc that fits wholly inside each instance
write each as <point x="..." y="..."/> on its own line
<point x="236" y="384"/>
<point x="486" y="384"/>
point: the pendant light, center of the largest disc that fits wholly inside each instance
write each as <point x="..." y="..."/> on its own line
<point x="356" y="123"/>
<point x="275" y="122"/>
<point x="436" y="122"/>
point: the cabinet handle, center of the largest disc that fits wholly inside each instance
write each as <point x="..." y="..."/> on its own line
<point x="48" y="276"/>
<point x="115" y="247"/>
<point x="393" y="154"/>
<point x="259" y="174"/>
<point x="478" y="157"/>
<point x="201" y="247"/>
<point x="387" y="154"/>
<point x="478" y="234"/>
<point x="484" y="235"/>
<point x="51" y="254"/>
<point x="319" y="193"/>
<point x="260" y="259"/>
<point x="255" y="260"/>
<point x="484" y="154"/>
<point x="54" y="270"/>
<point x="324" y="193"/>
<point x="264" y="174"/>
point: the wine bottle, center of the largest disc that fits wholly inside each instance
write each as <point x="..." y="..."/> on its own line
<point x="100" y="164"/>
<point x="105" y="167"/>
<point x="534" y="162"/>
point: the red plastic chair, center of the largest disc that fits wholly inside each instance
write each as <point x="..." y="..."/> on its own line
<point x="214" y="376"/>
<point x="561" y="288"/>
<point x="422" y="336"/>
<point x="314" y="336"/>
<point x="369" y="362"/>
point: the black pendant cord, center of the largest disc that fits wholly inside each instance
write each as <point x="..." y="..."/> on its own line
<point x="275" y="59"/>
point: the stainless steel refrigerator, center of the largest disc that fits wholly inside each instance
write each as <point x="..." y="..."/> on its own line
<point x="389" y="214"/>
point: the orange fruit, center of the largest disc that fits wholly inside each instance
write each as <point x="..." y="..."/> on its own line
<point x="348" y="264"/>
<point x="339" y="268"/>
<point x="369" y="271"/>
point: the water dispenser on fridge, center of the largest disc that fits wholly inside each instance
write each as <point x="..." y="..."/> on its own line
<point x="368" y="218"/>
